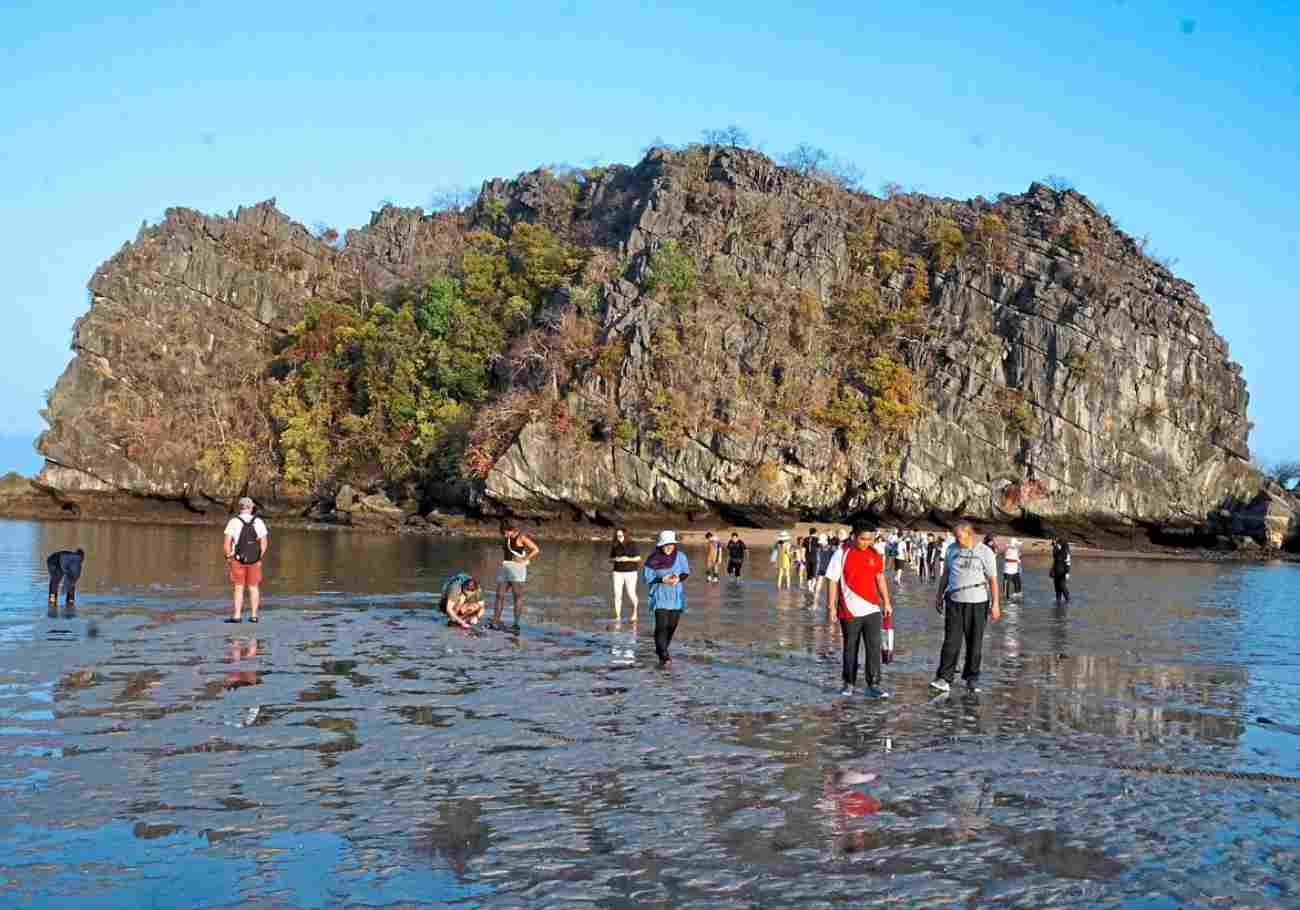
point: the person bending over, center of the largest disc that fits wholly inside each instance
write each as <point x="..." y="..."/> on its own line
<point x="65" y="568"/>
<point x="462" y="600"/>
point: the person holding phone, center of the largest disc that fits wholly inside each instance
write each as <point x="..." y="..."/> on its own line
<point x="664" y="572"/>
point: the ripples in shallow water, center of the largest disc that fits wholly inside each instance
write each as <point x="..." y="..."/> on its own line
<point x="353" y="749"/>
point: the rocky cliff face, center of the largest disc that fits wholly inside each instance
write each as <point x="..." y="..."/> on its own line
<point x="183" y="321"/>
<point x="1060" y="373"/>
<point x="1126" y="404"/>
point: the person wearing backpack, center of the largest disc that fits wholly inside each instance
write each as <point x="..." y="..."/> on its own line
<point x="245" y="546"/>
<point x="461" y="600"/>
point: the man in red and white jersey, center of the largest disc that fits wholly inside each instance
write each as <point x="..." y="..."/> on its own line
<point x="859" y="592"/>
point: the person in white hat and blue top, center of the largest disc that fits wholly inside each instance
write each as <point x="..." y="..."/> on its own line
<point x="664" y="572"/>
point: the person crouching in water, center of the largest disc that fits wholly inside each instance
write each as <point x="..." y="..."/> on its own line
<point x="65" y="569"/>
<point x="859" y="593"/>
<point x="462" y="600"/>
<point x="663" y="574"/>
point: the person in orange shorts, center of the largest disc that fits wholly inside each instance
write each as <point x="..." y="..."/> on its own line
<point x="245" y="547"/>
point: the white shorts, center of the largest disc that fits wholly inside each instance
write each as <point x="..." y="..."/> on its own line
<point x="512" y="573"/>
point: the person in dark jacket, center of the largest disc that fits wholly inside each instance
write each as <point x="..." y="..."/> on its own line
<point x="65" y="568"/>
<point x="810" y="550"/>
<point x="736" y="551"/>
<point x="1061" y="568"/>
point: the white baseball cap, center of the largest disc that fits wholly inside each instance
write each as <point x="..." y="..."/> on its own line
<point x="665" y="538"/>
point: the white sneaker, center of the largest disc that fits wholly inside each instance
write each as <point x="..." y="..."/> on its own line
<point x="941" y="685"/>
<point x="847" y="690"/>
<point x="973" y="687"/>
<point x="876" y="692"/>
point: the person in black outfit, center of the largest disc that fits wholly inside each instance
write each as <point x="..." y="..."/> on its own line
<point x="65" y="569"/>
<point x="810" y="551"/>
<point x="736" y="551"/>
<point x="1061" y="569"/>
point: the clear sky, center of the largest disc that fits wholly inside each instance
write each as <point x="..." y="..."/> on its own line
<point x="1182" y="119"/>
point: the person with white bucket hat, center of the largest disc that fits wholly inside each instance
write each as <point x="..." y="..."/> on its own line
<point x="664" y="572"/>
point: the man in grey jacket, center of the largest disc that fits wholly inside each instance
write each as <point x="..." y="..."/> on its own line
<point x="967" y="598"/>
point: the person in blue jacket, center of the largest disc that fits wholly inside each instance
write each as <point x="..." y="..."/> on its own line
<point x="664" y="572"/>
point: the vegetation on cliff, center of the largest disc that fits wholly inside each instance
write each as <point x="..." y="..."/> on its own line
<point x="706" y="329"/>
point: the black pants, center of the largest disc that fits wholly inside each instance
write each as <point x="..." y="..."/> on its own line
<point x="861" y="630"/>
<point x="1011" y="581"/>
<point x="1062" y="584"/>
<point x="665" y="626"/>
<point x="733" y="568"/>
<point x="963" y="623"/>
<point x="57" y="576"/>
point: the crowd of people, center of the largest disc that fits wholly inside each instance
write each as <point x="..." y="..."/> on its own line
<point x="853" y="568"/>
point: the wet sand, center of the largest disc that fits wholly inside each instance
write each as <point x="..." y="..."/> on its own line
<point x="353" y="750"/>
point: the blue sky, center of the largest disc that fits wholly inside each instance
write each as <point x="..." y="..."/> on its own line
<point x="1182" y="119"/>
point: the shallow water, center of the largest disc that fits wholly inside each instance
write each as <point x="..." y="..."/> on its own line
<point x="352" y="750"/>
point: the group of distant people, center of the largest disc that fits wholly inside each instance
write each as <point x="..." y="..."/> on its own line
<point x="853" y="569"/>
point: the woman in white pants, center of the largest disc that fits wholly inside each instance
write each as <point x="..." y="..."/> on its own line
<point x="626" y="563"/>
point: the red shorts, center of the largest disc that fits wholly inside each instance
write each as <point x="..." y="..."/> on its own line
<point x="245" y="576"/>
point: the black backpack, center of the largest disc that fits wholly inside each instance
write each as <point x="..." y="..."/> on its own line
<point x="248" y="549"/>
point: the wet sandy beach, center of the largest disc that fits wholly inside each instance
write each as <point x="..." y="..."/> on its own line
<point x="352" y="750"/>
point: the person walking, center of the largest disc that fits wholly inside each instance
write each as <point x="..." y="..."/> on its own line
<point x="713" y="557"/>
<point x="736" y="552"/>
<point x="664" y="572"/>
<point x="923" y="557"/>
<point x="517" y="551"/>
<point x="65" y="569"/>
<point x="860" y="593"/>
<point x="1061" y="568"/>
<point x="810" y="559"/>
<point x="824" y="554"/>
<point x="799" y="572"/>
<point x="246" y="539"/>
<point x="784" y="559"/>
<point x="936" y="555"/>
<point x="967" y="598"/>
<point x="1011" y="568"/>
<point x="625" y="562"/>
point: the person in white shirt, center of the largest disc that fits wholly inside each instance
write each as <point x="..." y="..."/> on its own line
<point x="1011" y="568"/>
<point x="245" y="546"/>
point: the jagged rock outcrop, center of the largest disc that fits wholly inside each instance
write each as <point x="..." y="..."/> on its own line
<point x="1140" y="414"/>
<point x="182" y="324"/>
<point x="1068" y="376"/>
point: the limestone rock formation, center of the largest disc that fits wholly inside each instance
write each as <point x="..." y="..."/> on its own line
<point x="1139" y="413"/>
<point x="1069" y="377"/>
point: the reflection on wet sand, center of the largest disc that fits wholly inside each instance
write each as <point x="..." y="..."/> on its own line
<point x="355" y="732"/>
